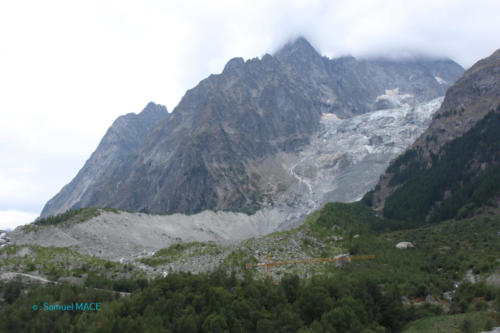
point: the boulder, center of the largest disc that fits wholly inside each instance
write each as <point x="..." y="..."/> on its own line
<point x="404" y="245"/>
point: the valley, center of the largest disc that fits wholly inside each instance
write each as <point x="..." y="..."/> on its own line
<point x="229" y="213"/>
<point x="426" y="279"/>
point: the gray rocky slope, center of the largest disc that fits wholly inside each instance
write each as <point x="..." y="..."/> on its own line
<point x="233" y="140"/>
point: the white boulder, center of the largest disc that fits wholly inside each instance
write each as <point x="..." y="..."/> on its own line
<point x="404" y="245"/>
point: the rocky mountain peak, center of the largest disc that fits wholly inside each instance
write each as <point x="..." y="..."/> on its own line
<point x="151" y="114"/>
<point x="234" y="64"/>
<point x="152" y="107"/>
<point x="298" y="51"/>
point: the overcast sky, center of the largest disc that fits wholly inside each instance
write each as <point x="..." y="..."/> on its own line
<point x="69" y="68"/>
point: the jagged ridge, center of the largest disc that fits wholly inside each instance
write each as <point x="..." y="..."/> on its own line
<point x="208" y="153"/>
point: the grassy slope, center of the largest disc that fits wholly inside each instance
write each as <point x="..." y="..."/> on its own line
<point x="60" y="264"/>
<point x="473" y="243"/>
<point x="353" y="228"/>
<point x="443" y="253"/>
<point x="72" y="216"/>
<point x="479" y="321"/>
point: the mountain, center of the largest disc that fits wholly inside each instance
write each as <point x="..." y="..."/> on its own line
<point x="453" y="168"/>
<point x="125" y="135"/>
<point x="347" y="86"/>
<point x="232" y="141"/>
<point x="343" y="160"/>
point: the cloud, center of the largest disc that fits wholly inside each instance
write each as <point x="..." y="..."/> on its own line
<point x="70" y="68"/>
<point x="10" y="219"/>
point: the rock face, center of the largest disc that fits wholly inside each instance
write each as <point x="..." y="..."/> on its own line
<point x="347" y="86"/>
<point x="459" y="124"/>
<point x="221" y="147"/>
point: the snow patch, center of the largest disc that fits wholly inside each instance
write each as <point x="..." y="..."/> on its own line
<point x="440" y="80"/>
<point x="329" y="117"/>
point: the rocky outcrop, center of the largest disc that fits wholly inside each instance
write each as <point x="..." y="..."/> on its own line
<point x="216" y="149"/>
